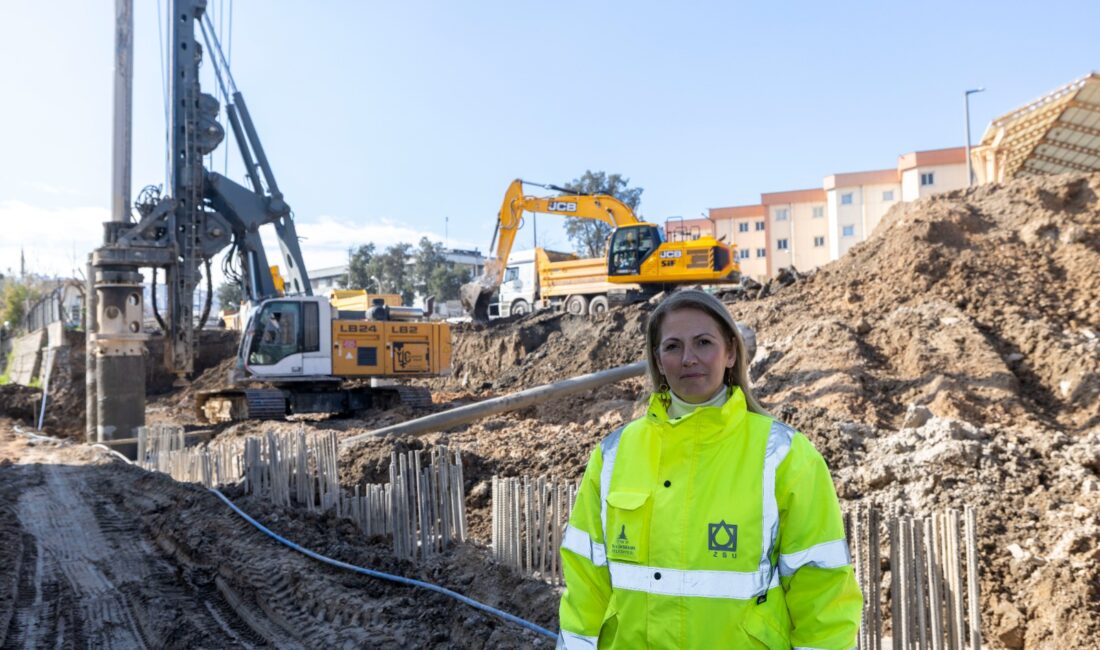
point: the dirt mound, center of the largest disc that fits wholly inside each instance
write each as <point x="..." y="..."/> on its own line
<point x="952" y="358"/>
<point x="64" y="410"/>
<point x="543" y="348"/>
<point x="985" y="300"/>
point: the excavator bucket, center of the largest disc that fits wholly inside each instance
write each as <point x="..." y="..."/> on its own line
<point x="476" y="296"/>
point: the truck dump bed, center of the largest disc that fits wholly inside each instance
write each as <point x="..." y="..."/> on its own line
<point x="566" y="277"/>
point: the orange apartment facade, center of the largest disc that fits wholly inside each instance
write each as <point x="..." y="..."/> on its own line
<point x="811" y="227"/>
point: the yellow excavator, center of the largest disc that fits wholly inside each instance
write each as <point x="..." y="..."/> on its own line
<point x="637" y="253"/>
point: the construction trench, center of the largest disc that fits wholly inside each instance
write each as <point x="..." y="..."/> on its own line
<point x="948" y="369"/>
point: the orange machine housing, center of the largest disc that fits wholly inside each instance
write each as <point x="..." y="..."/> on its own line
<point x="390" y="348"/>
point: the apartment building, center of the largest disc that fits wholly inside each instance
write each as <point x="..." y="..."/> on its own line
<point x="746" y="228"/>
<point x="924" y="173"/>
<point x="678" y="228"/>
<point x="855" y="205"/>
<point x="797" y="228"/>
<point x="808" y="228"/>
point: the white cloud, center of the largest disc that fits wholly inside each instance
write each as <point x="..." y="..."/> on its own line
<point x="55" y="241"/>
<point x="326" y="240"/>
<point x="47" y="188"/>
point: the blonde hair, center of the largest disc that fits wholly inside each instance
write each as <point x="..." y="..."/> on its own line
<point x="702" y="301"/>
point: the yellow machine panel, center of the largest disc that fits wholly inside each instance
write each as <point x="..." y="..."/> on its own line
<point x="702" y="260"/>
<point x="390" y="348"/>
<point x="360" y="300"/>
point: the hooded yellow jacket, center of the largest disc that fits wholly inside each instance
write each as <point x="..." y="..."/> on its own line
<point x="720" y="529"/>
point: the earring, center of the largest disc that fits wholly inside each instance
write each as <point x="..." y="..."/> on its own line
<point x="663" y="387"/>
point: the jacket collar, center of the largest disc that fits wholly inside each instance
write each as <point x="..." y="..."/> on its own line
<point x="705" y="423"/>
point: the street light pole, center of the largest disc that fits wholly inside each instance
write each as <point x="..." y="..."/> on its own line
<point x="969" y="165"/>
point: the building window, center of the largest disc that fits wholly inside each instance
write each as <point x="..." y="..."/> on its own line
<point x="849" y="231"/>
<point x="761" y="252"/>
<point x="888" y="195"/>
<point x="782" y="214"/>
<point x="743" y="253"/>
<point x="743" y="226"/>
<point x="819" y="211"/>
<point x="759" y="225"/>
<point x="846" y="198"/>
<point x="819" y="242"/>
<point x="927" y="178"/>
<point x="782" y="244"/>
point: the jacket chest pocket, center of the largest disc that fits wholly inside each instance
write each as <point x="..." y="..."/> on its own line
<point x="628" y="520"/>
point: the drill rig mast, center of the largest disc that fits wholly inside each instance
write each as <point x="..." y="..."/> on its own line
<point x="201" y="214"/>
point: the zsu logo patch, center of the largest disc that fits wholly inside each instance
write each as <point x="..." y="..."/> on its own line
<point x="722" y="537"/>
<point x="622" y="547"/>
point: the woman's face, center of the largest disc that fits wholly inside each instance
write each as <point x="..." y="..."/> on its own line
<point x="693" y="355"/>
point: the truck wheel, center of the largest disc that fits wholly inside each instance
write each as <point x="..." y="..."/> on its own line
<point x="576" y="305"/>
<point x="519" y="308"/>
<point x="597" y="306"/>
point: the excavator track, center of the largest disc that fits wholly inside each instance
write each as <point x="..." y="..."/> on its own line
<point x="236" y="405"/>
<point x="416" y="396"/>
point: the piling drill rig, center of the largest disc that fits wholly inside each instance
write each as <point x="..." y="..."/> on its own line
<point x="199" y="214"/>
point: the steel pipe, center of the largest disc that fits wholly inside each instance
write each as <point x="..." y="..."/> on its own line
<point x="513" y="402"/>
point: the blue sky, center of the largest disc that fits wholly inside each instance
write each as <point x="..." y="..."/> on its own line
<point x="383" y="119"/>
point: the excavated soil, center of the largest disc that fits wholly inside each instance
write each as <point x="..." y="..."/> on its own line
<point x="951" y="359"/>
<point x="97" y="553"/>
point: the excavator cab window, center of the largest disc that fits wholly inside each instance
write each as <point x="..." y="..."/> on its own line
<point x="630" y="246"/>
<point x="278" y="333"/>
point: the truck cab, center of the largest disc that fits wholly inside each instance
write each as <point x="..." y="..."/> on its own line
<point x="519" y="291"/>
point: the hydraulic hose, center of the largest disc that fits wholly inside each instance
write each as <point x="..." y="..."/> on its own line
<point x="384" y="576"/>
<point x="511" y="618"/>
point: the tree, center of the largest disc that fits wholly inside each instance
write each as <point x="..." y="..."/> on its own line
<point x="433" y="274"/>
<point x="390" y="271"/>
<point x="229" y="295"/>
<point x="15" y="297"/>
<point x="588" y="236"/>
<point x="359" y="276"/>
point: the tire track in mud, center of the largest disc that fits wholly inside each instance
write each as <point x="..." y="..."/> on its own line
<point x="86" y="577"/>
<point x="101" y="554"/>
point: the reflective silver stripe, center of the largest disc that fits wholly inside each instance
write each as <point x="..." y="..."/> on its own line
<point x="581" y="543"/>
<point x="827" y="555"/>
<point x="779" y="443"/>
<point x="609" y="448"/>
<point x="701" y="584"/>
<point x="569" y="641"/>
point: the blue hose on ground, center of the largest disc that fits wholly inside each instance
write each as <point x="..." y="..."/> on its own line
<point x="384" y="576"/>
<point x="367" y="572"/>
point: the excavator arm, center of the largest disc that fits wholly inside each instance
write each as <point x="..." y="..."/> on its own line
<point x="602" y="207"/>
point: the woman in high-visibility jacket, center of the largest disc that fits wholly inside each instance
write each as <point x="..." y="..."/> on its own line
<point x="706" y="523"/>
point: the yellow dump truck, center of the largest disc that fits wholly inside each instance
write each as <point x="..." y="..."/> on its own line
<point x="540" y="279"/>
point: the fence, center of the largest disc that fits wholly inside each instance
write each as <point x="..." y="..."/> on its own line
<point x="422" y="507"/>
<point x="933" y="592"/>
<point x="529" y="517"/>
<point x="162" y="448"/>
